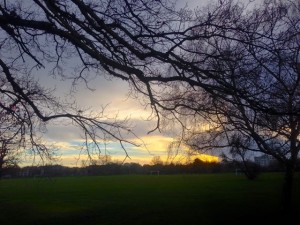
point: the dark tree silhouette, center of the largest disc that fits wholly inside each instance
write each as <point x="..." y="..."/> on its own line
<point x="9" y="157"/>
<point x="239" y="77"/>
<point x="9" y="153"/>
<point x="107" y="37"/>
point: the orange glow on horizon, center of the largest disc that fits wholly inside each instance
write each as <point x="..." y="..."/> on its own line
<point x="208" y="158"/>
<point x="156" y="145"/>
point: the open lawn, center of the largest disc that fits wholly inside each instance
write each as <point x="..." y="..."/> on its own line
<point x="155" y="200"/>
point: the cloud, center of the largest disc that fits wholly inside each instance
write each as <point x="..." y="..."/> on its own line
<point x="115" y="95"/>
<point x="62" y="133"/>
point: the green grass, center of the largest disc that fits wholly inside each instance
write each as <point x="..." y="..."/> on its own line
<point x="180" y="199"/>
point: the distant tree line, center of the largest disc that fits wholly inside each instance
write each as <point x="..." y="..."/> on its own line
<point x="115" y="168"/>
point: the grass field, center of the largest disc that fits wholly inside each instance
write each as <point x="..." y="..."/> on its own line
<point x="176" y="199"/>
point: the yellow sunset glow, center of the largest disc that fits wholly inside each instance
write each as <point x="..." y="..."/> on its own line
<point x="156" y="145"/>
<point x="208" y="158"/>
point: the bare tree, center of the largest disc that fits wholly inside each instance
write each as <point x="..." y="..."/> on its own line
<point x="240" y="155"/>
<point x="8" y="157"/>
<point x="26" y="109"/>
<point x="8" y="152"/>
<point x="109" y="38"/>
<point x="156" y="160"/>
<point x="239" y="75"/>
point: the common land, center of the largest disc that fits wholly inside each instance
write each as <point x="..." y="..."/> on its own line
<point x="145" y="199"/>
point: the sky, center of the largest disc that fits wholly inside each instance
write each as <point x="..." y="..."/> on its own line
<point x="114" y="95"/>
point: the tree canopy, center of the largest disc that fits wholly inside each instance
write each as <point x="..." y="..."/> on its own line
<point x="239" y="85"/>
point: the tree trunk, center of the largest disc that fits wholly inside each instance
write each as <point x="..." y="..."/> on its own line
<point x="1" y="167"/>
<point x="287" y="188"/>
